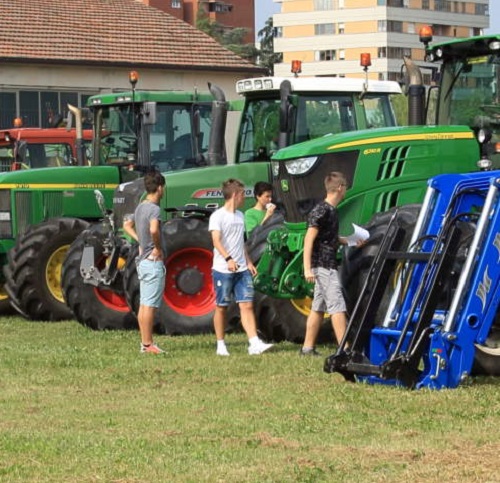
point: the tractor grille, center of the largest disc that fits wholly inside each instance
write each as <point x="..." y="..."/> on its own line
<point x="23" y="212"/>
<point x="53" y="204"/>
<point x="125" y="200"/>
<point x="392" y="165"/>
<point x="392" y="162"/>
<point x="297" y="194"/>
<point x="5" y="214"/>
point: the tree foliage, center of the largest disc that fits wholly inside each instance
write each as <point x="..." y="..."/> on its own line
<point x="267" y="56"/>
<point x="230" y="38"/>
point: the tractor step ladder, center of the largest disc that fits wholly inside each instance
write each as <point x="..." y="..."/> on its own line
<point x="427" y="339"/>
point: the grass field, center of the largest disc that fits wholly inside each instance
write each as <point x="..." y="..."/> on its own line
<point x="80" y="406"/>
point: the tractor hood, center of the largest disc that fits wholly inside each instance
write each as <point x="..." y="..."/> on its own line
<point x="372" y="139"/>
<point x="62" y="178"/>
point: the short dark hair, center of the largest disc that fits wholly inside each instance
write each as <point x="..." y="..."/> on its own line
<point x="231" y="186"/>
<point x="334" y="180"/>
<point x="153" y="180"/>
<point x="261" y="187"/>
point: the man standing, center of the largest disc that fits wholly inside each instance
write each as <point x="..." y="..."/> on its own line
<point x="145" y="228"/>
<point x="232" y="269"/>
<point x="320" y="263"/>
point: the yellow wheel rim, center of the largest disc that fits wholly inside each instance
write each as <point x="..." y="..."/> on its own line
<point x="3" y="293"/>
<point x="304" y="306"/>
<point x="53" y="272"/>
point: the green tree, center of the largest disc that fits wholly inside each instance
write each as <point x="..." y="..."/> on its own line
<point x="268" y="57"/>
<point x="230" y="38"/>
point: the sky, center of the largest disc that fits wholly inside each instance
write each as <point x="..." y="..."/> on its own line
<point x="265" y="8"/>
<point x="494" y="17"/>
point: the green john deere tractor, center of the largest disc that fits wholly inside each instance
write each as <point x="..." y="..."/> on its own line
<point x="42" y="211"/>
<point x="387" y="169"/>
<point x="276" y="112"/>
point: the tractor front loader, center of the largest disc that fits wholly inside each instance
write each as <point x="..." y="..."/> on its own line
<point x="444" y="291"/>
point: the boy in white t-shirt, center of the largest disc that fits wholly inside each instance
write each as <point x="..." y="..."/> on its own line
<point x="232" y="269"/>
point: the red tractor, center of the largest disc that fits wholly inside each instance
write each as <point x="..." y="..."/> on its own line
<point x="30" y="147"/>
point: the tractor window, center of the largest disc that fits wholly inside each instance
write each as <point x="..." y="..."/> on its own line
<point x="48" y="155"/>
<point x="318" y="116"/>
<point x="470" y="93"/>
<point x="378" y="111"/>
<point x="180" y="138"/>
<point x="37" y="156"/>
<point x="312" y="117"/>
<point x="259" y="130"/>
<point x="175" y="142"/>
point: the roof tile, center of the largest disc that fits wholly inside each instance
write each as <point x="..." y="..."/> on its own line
<point x="108" y="32"/>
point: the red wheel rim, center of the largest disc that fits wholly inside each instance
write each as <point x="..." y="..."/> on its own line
<point x="200" y="303"/>
<point x="111" y="300"/>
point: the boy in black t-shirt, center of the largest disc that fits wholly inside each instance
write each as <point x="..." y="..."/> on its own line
<point x="320" y="263"/>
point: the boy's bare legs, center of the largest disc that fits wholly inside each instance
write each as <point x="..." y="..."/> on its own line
<point x="249" y="324"/>
<point x="145" y="318"/>
<point x="339" y="324"/>
<point x="220" y="322"/>
<point x="313" y="324"/>
<point x="248" y="319"/>
<point x="220" y="330"/>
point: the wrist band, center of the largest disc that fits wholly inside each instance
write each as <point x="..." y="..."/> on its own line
<point x="229" y="258"/>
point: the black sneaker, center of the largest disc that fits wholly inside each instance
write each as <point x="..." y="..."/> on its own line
<point x="309" y="352"/>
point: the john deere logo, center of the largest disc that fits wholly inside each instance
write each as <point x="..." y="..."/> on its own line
<point x="284" y="185"/>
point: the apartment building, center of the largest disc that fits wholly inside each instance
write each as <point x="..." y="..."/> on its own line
<point x="229" y="14"/>
<point x="328" y="36"/>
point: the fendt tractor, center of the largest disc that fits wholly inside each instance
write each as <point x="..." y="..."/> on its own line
<point x="385" y="169"/>
<point x="446" y="295"/>
<point x="33" y="148"/>
<point x="276" y="112"/>
<point x="43" y="211"/>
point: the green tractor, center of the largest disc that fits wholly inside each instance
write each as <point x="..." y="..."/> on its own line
<point x="276" y="112"/>
<point x="44" y="210"/>
<point x="387" y="170"/>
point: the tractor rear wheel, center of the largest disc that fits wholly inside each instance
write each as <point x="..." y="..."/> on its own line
<point x="99" y="308"/>
<point x="188" y="299"/>
<point x="34" y="268"/>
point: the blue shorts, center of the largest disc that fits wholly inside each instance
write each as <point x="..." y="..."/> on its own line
<point x="152" y="282"/>
<point x="237" y="286"/>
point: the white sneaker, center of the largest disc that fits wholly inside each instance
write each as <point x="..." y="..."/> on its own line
<point x="258" y="348"/>
<point x="222" y="351"/>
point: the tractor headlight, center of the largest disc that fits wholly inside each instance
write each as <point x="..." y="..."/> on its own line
<point x="300" y="165"/>
<point x="275" y="167"/>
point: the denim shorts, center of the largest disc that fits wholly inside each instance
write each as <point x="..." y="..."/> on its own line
<point x="237" y="286"/>
<point x="152" y="281"/>
<point x="328" y="295"/>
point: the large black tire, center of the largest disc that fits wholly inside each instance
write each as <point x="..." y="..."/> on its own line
<point x="95" y="307"/>
<point x="487" y="357"/>
<point x="256" y="242"/>
<point x="33" y="274"/>
<point x="356" y="261"/>
<point x="188" y="300"/>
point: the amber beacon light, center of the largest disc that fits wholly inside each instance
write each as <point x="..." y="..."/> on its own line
<point x="296" y="67"/>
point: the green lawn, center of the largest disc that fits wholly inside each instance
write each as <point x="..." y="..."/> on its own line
<point x="81" y="406"/>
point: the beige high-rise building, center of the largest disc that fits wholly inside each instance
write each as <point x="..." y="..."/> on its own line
<point x="328" y="36"/>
